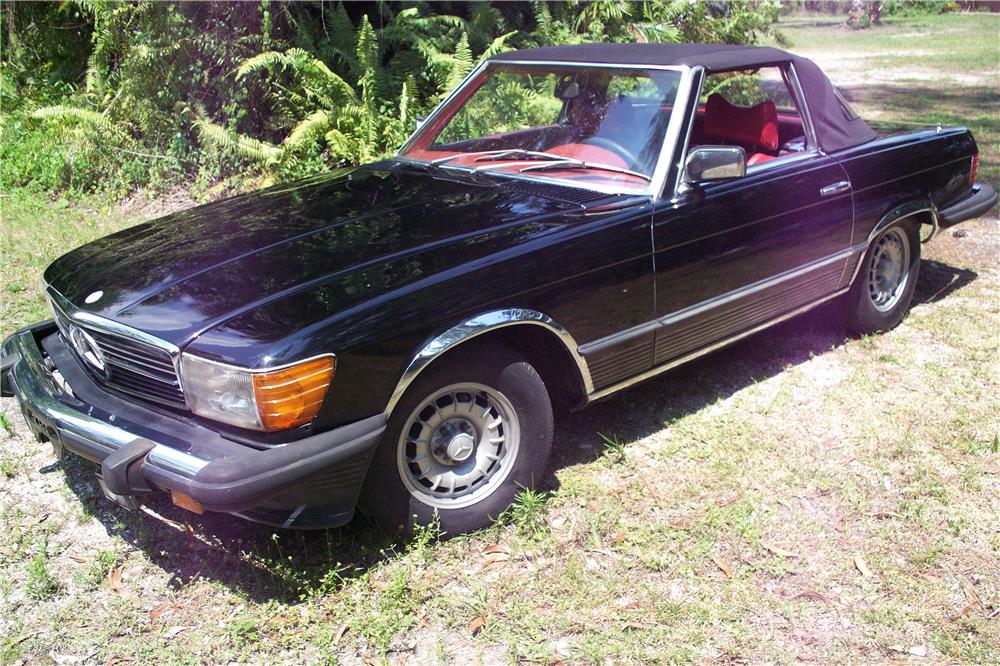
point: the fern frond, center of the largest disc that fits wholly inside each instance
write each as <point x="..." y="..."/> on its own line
<point x="461" y="63"/>
<point x="498" y="46"/>
<point x="311" y="128"/>
<point x="74" y="114"/>
<point x="249" y="147"/>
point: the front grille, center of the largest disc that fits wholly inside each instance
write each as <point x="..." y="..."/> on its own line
<point x="133" y="367"/>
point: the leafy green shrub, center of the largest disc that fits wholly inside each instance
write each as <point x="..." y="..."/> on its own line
<point x="102" y="95"/>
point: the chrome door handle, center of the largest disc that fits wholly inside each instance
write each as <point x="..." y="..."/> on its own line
<point x="836" y="188"/>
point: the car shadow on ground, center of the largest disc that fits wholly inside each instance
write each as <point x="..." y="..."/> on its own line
<point x="264" y="563"/>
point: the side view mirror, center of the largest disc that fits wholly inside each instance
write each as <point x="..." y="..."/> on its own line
<point x="712" y="163"/>
<point x="420" y="121"/>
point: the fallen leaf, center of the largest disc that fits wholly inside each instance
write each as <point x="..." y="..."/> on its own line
<point x="371" y="661"/>
<point x="77" y="558"/>
<point x="493" y="560"/>
<point x="476" y="624"/>
<point x="726" y="569"/>
<point x="811" y="594"/>
<point x="495" y="548"/>
<point x="915" y="650"/>
<point x="340" y="633"/>
<point x="970" y="592"/>
<point x="859" y="562"/>
<point x="115" y="579"/>
<point x="490" y="566"/>
<point x="155" y="614"/>
<point x="173" y="631"/>
<point x="618" y="538"/>
<point x="779" y="551"/>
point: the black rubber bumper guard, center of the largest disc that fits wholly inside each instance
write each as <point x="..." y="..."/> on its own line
<point x="141" y="450"/>
<point x="980" y="199"/>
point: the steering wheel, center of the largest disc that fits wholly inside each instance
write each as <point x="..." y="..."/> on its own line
<point x="621" y="151"/>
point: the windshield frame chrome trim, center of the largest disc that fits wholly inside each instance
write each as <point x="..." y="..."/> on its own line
<point x="654" y="188"/>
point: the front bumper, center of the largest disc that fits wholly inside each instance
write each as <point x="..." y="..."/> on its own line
<point x="312" y="482"/>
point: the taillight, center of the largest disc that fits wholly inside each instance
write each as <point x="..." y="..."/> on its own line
<point x="974" y="171"/>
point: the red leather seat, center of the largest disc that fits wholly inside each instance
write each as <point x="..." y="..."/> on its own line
<point x="753" y="127"/>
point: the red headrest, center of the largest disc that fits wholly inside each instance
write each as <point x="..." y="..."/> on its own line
<point x="754" y="125"/>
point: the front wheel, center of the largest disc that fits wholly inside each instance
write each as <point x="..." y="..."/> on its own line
<point x="472" y="431"/>
<point x="881" y="293"/>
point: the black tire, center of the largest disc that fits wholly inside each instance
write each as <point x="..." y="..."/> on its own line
<point x="862" y="316"/>
<point x="387" y="500"/>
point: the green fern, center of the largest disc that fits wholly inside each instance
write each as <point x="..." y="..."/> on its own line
<point x="249" y="147"/>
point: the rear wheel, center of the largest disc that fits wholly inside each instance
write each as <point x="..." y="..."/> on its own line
<point x="881" y="294"/>
<point x="472" y="431"/>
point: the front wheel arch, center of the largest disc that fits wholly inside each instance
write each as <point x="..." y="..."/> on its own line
<point x="548" y="346"/>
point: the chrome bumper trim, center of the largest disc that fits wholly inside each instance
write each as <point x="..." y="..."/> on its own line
<point x="33" y="385"/>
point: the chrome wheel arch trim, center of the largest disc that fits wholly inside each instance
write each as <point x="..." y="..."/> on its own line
<point x="477" y="326"/>
<point x="895" y="215"/>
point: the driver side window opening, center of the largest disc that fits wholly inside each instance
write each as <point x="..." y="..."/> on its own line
<point x="754" y="109"/>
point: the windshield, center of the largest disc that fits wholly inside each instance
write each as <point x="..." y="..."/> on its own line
<point x="586" y="125"/>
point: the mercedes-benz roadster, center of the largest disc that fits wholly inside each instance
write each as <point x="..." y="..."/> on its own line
<point x="569" y="221"/>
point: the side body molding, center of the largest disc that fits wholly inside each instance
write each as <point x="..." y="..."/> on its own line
<point x="484" y="323"/>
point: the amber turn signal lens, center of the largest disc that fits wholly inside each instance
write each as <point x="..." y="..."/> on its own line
<point x="292" y="396"/>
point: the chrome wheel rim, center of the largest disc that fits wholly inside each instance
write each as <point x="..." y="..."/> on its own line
<point x="458" y="445"/>
<point x="889" y="269"/>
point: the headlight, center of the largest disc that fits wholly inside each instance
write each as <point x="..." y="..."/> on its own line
<point x="259" y="400"/>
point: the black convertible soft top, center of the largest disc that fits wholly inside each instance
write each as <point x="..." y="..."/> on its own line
<point x="836" y="127"/>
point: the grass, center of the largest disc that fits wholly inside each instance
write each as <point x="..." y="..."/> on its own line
<point x="801" y="496"/>
<point x="34" y="231"/>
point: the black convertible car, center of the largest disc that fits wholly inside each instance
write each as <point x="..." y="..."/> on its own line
<point x="569" y="221"/>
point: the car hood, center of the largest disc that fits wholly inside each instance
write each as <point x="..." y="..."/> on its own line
<point x="370" y="229"/>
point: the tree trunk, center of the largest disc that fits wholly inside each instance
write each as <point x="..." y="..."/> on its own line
<point x="864" y="13"/>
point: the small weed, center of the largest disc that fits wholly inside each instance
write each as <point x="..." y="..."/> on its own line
<point x="526" y="514"/>
<point x="10" y="650"/>
<point x="386" y="612"/>
<point x="614" y="448"/>
<point x="243" y="629"/>
<point x="41" y="584"/>
<point x="98" y="570"/>
<point x="7" y="426"/>
<point x="424" y="538"/>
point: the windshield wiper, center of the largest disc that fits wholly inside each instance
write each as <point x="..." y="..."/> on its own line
<point x="486" y="153"/>
<point x="570" y="163"/>
<point x="515" y="153"/>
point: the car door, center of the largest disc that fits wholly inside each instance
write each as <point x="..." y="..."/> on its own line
<point x="732" y="255"/>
